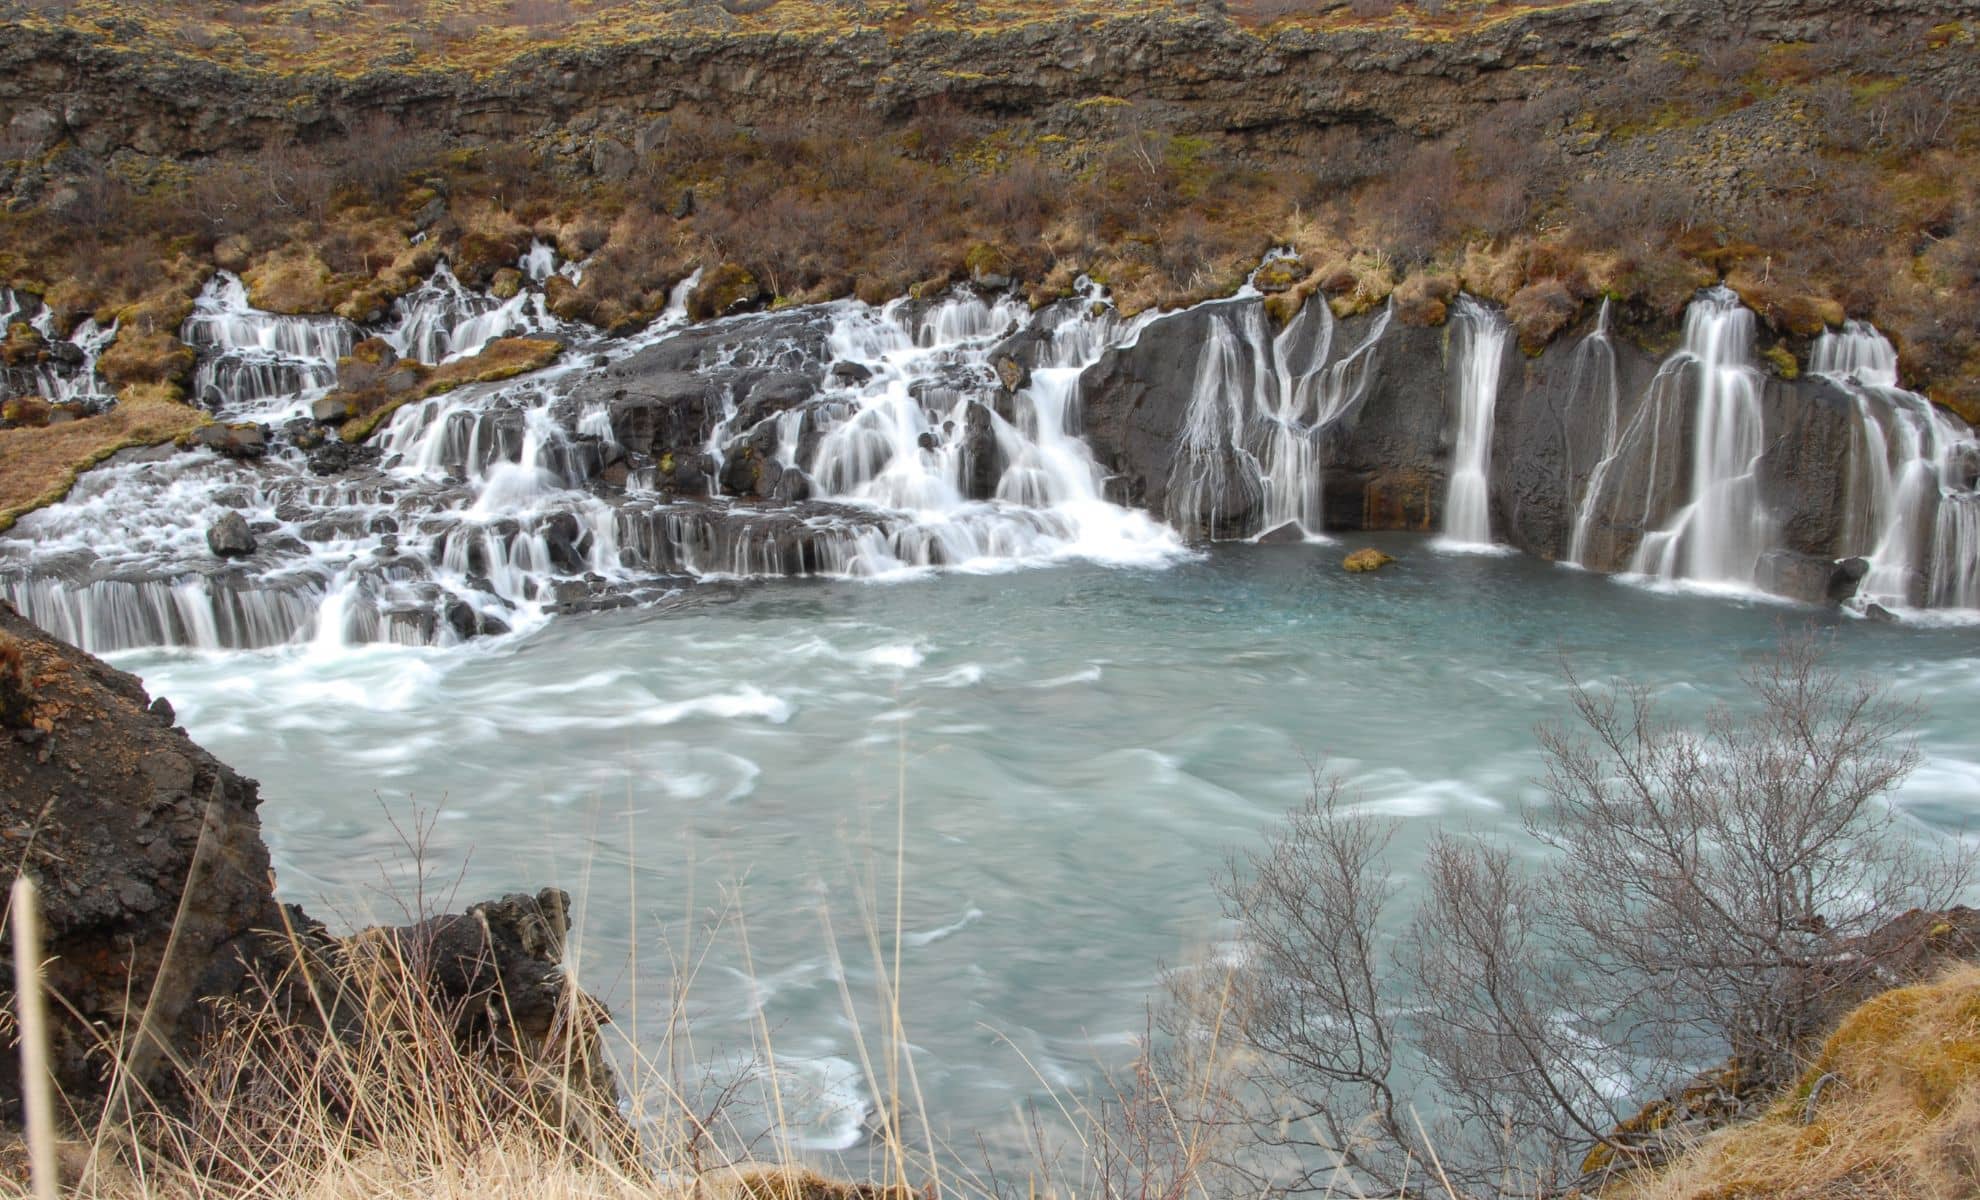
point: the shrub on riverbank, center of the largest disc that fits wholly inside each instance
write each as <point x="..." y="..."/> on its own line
<point x="1717" y="893"/>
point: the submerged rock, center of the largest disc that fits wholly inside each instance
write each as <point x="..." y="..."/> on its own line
<point x="1366" y="559"/>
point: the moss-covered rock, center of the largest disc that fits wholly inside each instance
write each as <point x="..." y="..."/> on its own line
<point x="1366" y="559"/>
<point x="1540" y="310"/>
<point x="723" y="290"/>
<point x="385" y="389"/>
<point x="1423" y="298"/>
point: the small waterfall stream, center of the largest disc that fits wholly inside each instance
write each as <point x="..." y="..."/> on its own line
<point x="250" y="358"/>
<point x="1478" y="336"/>
<point x="1247" y="461"/>
<point x="1912" y="510"/>
<point x="68" y="377"/>
<point x="1594" y="382"/>
<point x="1719" y="534"/>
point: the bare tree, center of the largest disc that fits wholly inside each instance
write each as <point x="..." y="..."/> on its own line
<point x="1694" y="892"/>
<point x="1725" y="870"/>
<point x="1304" y="997"/>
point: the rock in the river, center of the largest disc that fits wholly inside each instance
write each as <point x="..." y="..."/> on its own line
<point x="234" y="441"/>
<point x="1368" y="558"/>
<point x="230" y="537"/>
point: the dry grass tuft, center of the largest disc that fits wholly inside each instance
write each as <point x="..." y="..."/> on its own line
<point x="39" y="466"/>
<point x="1890" y="1109"/>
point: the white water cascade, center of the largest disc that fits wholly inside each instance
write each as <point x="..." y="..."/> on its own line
<point x="69" y="378"/>
<point x="1594" y="383"/>
<point x="249" y="358"/>
<point x="1478" y="336"/>
<point x="442" y="320"/>
<point x="486" y="509"/>
<point x="1247" y="462"/>
<point x="1719" y="534"/>
<point x="1913" y="515"/>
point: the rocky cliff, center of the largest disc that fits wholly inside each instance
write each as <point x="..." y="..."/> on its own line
<point x="163" y="936"/>
<point x="112" y="87"/>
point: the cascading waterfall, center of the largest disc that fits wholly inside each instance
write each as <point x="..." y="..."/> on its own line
<point x="1246" y="459"/>
<point x="249" y="357"/>
<point x="69" y="378"/>
<point x="1912" y="509"/>
<point x="442" y="320"/>
<point x="484" y="511"/>
<point x="1594" y="382"/>
<point x="1717" y="538"/>
<point x="1479" y="337"/>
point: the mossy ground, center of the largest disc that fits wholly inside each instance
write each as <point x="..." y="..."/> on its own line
<point x="41" y="465"/>
<point x="1897" y="1113"/>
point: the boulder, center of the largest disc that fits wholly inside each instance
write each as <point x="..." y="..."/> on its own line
<point x="233" y="441"/>
<point x="1366" y="559"/>
<point x="230" y="537"/>
<point x="983" y="461"/>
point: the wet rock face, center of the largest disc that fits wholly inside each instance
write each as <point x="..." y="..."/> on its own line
<point x="1134" y="402"/>
<point x="143" y="843"/>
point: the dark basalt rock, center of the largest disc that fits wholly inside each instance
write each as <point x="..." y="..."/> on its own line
<point x="140" y="841"/>
<point x="233" y="441"/>
<point x="983" y="462"/>
<point x="230" y="537"/>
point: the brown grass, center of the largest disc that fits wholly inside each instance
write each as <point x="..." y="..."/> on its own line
<point x="1897" y="1114"/>
<point x="39" y="466"/>
<point x="503" y="358"/>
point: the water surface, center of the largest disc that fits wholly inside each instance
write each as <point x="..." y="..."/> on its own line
<point x="1069" y="753"/>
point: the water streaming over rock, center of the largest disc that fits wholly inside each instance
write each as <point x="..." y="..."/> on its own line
<point x="1478" y="336"/>
<point x="442" y="320"/>
<point x="1722" y="529"/>
<point x="249" y="358"/>
<point x="848" y="440"/>
<point x="1247" y="459"/>
<point x="1594" y="383"/>
<point x="896" y="443"/>
<point x="1912" y="512"/>
<point x="65" y="374"/>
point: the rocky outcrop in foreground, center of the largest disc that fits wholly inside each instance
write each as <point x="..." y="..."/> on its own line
<point x="162" y="931"/>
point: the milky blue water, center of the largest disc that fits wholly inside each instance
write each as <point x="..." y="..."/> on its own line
<point x="1060" y="758"/>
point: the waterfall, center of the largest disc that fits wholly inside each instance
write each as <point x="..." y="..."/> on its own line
<point x="1216" y="484"/>
<point x="1479" y="336"/>
<point x="1911" y="507"/>
<point x="1593" y="382"/>
<point x="69" y="376"/>
<point x="1719" y="534"/>
<point x="489" y="508"/>
<point x="248" y="357"/>
<point x="441" y="320"/>
<point x="1247" y="461"/>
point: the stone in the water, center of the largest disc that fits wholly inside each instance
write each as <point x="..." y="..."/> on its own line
<point x="1877" y="612"/>
<point x="234" y="441"/>
<point x="330" y="410"/>
<point x="230" y="537"/>
<point x="1368" y="558"/>
<point x="1288" y="534"/>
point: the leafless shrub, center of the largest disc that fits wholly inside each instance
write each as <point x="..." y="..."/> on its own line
<point x="1709" y="894"/>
